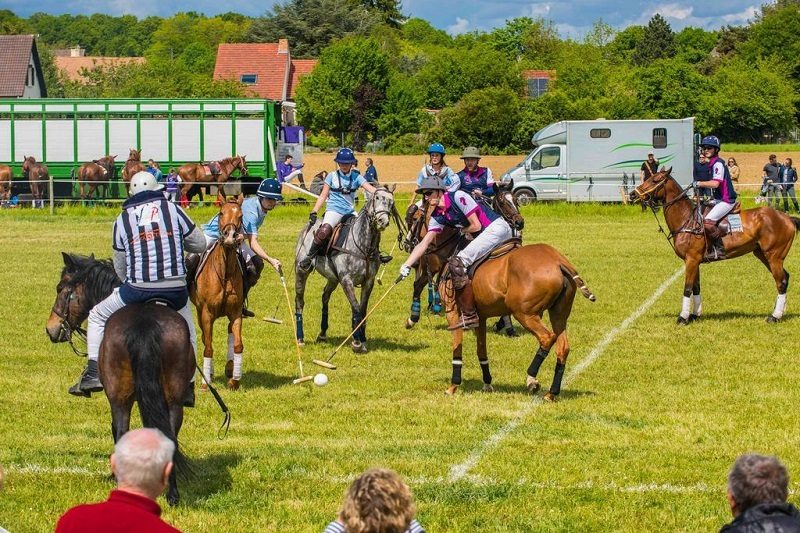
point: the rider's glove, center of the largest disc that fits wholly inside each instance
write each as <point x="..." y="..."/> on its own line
<point x="405" y="271"/>
<point x="312" y="218"/>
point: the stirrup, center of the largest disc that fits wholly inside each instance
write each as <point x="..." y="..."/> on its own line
<point x="466" y="322"/>
<point x="385" y="258"/>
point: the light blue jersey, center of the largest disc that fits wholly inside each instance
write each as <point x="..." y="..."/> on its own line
<point x="343" y="191"/>
<point x="446" y="174"/>
<point x="252" y="218"/>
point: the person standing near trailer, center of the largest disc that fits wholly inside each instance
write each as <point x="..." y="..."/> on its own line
<point x="649" y="167"/>
<point x="287" y="171"/>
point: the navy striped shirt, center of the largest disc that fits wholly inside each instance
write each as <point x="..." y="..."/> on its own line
<point x="337" y="527"/>
<point x="150" y="230"/>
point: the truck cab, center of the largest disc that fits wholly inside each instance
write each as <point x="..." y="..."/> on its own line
<point x="541" y="175"/>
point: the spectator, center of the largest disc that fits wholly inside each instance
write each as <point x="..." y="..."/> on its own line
<point x="757" y="490"/>
<point x="173" y="180"/>
<point x="649" y="167"/>
<point x="701" y="173"/>
<point x="377" y="501"/>
<point x="771" y="177"/>
<point x="141" y="464"/>
<point x="734" y="170"/>
<point x="371" y="175"/>
<point x="788" y="177"/>
<point x="155" y="170"/>
<point x="287" y="172"/>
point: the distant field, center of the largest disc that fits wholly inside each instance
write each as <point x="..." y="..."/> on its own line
<point x="649" y="422"/>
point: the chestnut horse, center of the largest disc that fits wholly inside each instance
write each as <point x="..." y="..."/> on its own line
<point x="132" y="166"/>
<point x="38" y="177"/>
<point x="5" y="184"/>
<point x="194" y="173"/>
<point x="217" y="290"/>
<point x="524" y="283"/>
<point x="96" y="174"/>
<point x="145" y="356"/>
<point x="766" y="233"/>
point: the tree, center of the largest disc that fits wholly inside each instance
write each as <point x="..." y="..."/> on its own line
<point x="624" y="44"/>
<point x="774" y="34"/>
<point x="11" y="24"/>
<point x="657" y="42"/>
<point x="401" y="112"/>
<point x="693" y="45"/>
<point x="485" y="117"/>
<point x="389" y="10"/>
<point x="511" y="38"/>
<point x="601" y="34"/>
<point x="197" y="34"/>
<point x="670" y="88"/>
<point x="420" y="31"/>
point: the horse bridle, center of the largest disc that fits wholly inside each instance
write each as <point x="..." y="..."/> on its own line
<point x="692" y="225"/>
<point x="68" y="328"/>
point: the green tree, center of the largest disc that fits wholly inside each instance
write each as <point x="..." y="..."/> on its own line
<point x="511" y="38"/>
<point x="419" y="31"/>
<point x="658" y="42"/>
<point x="601" y="34"/>
<point x="670" y="88"/>
<point x="624" y="44"/>
<point x="11" y="24"/>
<point x="693" y="45"/>
<point x="389" y="10"/>
<point x="774" y="34"/>
<point x="195" y="32"/>
<point x="401" y="112"/>
<point x="485" y="117"/>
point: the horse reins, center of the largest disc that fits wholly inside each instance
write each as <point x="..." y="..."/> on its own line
<point x="68" y="328"/>
<point x="694" y="230"/>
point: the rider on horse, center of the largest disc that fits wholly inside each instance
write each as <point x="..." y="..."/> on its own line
<point x="724" y="197"/>
<point x="482" y="227"/>
<point x="149" y="238"/>
<point x="475" y="179"/>
<point x="254" y="210"/>
<point x="339" y="193"/>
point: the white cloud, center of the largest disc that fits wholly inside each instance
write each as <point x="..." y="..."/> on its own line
<point x="674" y="11"/>
<point x="461" y="26"/>
<point x="742" y="17"/>
<point x="539" y="10"/>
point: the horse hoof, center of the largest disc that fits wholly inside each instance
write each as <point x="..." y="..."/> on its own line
<point x="550" y="397"/>
<point x="772" y="320"/>
<point x="682" y="321"/>
<point x="451" y="390"/>
<point x="409" y="323"/>
<point x="173" y="500"/>
<point x="300" y="342"/>
<point x="533" y="385"/>
<point x="692" y="318"/>
<point x="233" y="384"/>
<point x="487" y="387"/>
<point x="322" y="338"/>
<point x="229" y="369"/>
<point x="359" y="347"/>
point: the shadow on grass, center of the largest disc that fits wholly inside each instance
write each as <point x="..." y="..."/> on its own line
<point x="373" y="344"/>
<point x="209" y="475"/>
<point x="265" y="380"/>
<point x="732" y="315"/>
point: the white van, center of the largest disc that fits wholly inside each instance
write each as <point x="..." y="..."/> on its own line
<point x="600" y="160"/>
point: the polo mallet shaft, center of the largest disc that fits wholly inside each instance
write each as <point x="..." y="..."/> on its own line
<point x="380" y="277"/>
<point x="274" y="318"/>
<point x="296" y="342"/>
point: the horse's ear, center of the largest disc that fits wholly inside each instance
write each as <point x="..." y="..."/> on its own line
<point x="240" y="199"/>
<point x="510" y="184"/>
<point x="114" y="156"/>
<point x="668" y="171"/>
<point x="67" y="259"/>
<point x="91" y="256"/>
<point x="393" y="188"/>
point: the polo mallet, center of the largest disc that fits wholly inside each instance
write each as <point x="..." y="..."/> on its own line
<point x="327" y="363"/>
<point x="303" y="378"/>
<point x="380" y="277"/>
<point x="273" y="319"/>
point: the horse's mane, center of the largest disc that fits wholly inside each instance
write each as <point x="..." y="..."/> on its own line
<point x="97" y="275"/>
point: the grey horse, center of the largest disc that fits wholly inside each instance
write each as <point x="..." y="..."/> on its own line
<point x="356" y="266"/>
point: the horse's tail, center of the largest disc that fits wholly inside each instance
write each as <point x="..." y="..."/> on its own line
<point x="143" y="340"/>
<point x="570" y="272"/>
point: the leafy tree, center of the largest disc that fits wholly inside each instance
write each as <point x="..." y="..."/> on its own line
<point x="401" y="112"/>
<point x="11" y="24"/>
<point x="624" y="44"/>
<point x="541" y="44"/>
<point x="197" y="34"/>
<point x="657" y="42"/>
<point x="694" y="45"/>
<point x="730" y="38"/>
<point x="389" y="10"/>
<point x="485" y="117"/>
<point x="420" y="31"/>
<point x="774" y="34"/>
<point x="670" y="88"/>
<point x="511" y="38"/>
<point x="601" y="34"/>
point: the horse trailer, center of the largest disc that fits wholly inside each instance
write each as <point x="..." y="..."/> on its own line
<point x="64" y="133"/>
<point x="600" y="160"/>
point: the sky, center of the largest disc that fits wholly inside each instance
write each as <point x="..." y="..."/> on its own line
<point x="572" y="18"/>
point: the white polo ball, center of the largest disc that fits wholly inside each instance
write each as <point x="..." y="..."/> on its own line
<point x="321" y="379"/>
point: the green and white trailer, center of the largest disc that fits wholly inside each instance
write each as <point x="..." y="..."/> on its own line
<point x="600" y="160"/>
<point x="65" y="133"/>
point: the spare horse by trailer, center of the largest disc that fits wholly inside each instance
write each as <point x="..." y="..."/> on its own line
<point x="600" y="160"/>
<point x="65" y="133"/>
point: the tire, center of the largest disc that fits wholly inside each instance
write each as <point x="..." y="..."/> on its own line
<point x="524" y="196"/>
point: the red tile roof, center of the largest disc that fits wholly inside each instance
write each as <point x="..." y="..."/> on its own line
<point x="72" y="66"/>
<point x="15" y="54"/>
<point x="265" y="60"/>
<point x="300" y="67"/>
<point x="538" y="74"/>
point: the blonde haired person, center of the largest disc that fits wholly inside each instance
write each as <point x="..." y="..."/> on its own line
<point x="734" y="169"/>
<point x="378" y="501"/>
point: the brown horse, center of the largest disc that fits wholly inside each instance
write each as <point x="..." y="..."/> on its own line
<point x="218" y="290"/>
<point x="38" y="177"/>
<point x="132" y="166"/>
<point x="145" y="356"/>
<point x="193" y="173"/>
<point x="96" y="174"/>
<point x="524" y="283"/>
<point x="5" y="183"/>
<point x="766" y="233"/>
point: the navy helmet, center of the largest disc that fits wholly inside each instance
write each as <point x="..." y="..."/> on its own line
<point x="345" y="155"/>
<point x="710" y="140"/>
<point x="436" y="148"/>
<point x="270" y="188"/>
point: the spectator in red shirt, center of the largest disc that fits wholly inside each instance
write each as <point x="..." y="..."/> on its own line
<point x="141" y="463"/>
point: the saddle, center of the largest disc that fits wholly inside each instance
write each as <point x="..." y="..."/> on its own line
<point x="211" y="168"/>
<point x="500" y="250"/>
<point x="339" y="235"/>
<point x="161" y="301"/>
<point x="196" y="262"/>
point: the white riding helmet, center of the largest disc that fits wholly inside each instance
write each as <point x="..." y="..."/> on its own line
<point x="144" y="181"/>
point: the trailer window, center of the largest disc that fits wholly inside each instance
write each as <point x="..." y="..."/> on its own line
<point x="249" y="79"/>
<point x="659" y="137"/>
<point x="549" y="157"/>
<point x="600" y="133"/>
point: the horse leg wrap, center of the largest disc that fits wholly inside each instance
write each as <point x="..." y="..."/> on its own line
<point x="358" y="332"/>
<point x="415" y="310"/>
<point x="538" y="359"/>
<point x="456" y="379"/>
<point x="487" y="376"/>
<point x="686" y="306"/>
<point x="437" y="302"/>
<point x="298" y="321"/>
<point x="780" y="306"/>
<point x="237" y="366"/>
<point x="697" y="305"/>
<point x="208" y="368"/>
<point x="557" y="377"/>
<point x="430" y="294"/>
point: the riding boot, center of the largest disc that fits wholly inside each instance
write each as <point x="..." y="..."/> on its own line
<point x="714" y="250"/>
<point x="466" y="303"/>
<point x="89" y="381"/>
<point x="252" y="273"/>
<point x="321" y="237"/>
<point x="302" y="182"/>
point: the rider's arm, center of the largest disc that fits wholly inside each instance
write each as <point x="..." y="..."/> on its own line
<point x="195" y="242"/>
<point x="120" y="265"/>
<point x="474" y="224"/>
<point x="717" y="174"/>
<point x="419" y="249"/>
<point x="323" y="196"/>
<point x="489" y="190"/>
<point x="368" y="187"/>
<point x="252" y="240"/>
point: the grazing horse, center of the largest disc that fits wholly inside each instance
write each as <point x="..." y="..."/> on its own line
<point x="38" y="177"/>
<point x="217" y="290"/>
<point x="5" y="184"/>
<point x="145" y="356"/>
<point x="354" y="266"/>
<point x="766" y="233"/>
<point x="193" y="173"/>
<point x="96" y="174"/>
<point x="132" y="166"/>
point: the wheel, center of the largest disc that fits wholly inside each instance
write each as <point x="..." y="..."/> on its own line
<point x="524" y="196"/>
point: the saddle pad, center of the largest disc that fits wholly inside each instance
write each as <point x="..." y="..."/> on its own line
<point x="498" y="251"/>
<point x="735" y="222"/>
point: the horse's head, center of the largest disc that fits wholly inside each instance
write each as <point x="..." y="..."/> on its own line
<point x="230" y="222"/>
<point x="381" y="207"/>
<point x="504" y="203"/>
<point x="134" y="154"/>
<point x="652" y="191"/>
<point x="241" y="164"/>
<point x="70" y="308"/>
<point x="27" y="162"/>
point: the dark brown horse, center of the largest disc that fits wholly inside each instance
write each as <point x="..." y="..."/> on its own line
<point x="193" y="173"/>
<point x="132" y="166"/>
<point x="38" y="177"/>
<point x="145" y="356"/>
<point x="5" y="183"/>
<point x="218" y="291"/>
<point x="766" y="233"/>
<point x="96" y="174"/>
<point x="524" y="283"/>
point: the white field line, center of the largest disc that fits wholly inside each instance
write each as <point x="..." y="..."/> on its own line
<point x="458" y="471"/>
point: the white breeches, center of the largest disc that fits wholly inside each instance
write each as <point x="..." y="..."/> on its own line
<point x="102" y="311"/>
<point x="719" y="211"/>
<point x="494" y="234"/>
<point x="247" y="252"/>
<point x="332" y="218"/>
<point x="293" y="175"/>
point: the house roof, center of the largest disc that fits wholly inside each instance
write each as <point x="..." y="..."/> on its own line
<point x="300" y="67"/>
<point x="73" y="66"/>
<point x="538" y="74"/>
<point x="270" y="64"/>
<point x="15" y="53"/>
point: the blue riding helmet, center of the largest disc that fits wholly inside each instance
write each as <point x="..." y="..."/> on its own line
<point x="436" y="148"/>
<point x="345" y="155"/>
<point x="710" y="140"/>
<point x="270" y="188"/>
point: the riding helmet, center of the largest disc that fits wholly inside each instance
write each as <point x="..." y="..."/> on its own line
<point x="144" y="181"/>
<point x="345" y="156"/>
<point x="436" y="148"/>
<point x="431" y="183"/>
<point x="710" y="140"/>
<point x="270" y="188"/>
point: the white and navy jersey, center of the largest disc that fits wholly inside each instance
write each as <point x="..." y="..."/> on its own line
<point x="150" y="230"/>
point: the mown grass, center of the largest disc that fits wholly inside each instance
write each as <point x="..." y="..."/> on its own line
<point x="747" y="147"/>
<point x="641" y="440"/>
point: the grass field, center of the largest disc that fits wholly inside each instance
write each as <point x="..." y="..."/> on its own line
<point x="649" y="422"/>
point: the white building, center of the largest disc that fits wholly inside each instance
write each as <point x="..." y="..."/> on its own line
<point x="21" y="73"/>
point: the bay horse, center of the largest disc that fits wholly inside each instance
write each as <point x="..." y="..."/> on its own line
<point x="145" y="357"/>
<point x="5" y="184"/>
<point x="217" y="291"/>
<point x="38" y="177"/>
<point x="96" y="174"/>
<point x="523" y="283"/>
<point x="132" y="165"/>
<point x="193" y="173"/>
<point x="355" y="266"/>
<point x="766" y="233"/>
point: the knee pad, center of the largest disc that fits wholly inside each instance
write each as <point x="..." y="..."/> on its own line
<point x="322" y="234"/>
<point x="458" y="271"/>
